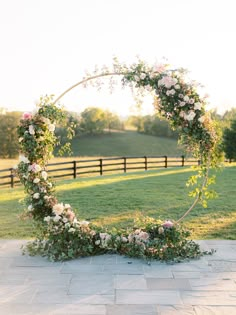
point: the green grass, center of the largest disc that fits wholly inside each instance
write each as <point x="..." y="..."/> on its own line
<point x="128" y="143"/>
<point x="115" y="200"/>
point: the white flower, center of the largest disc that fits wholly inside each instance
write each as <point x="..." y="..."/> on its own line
<point x="197" y="106"/>
<point x="47" y="219"/>
<point x="182" y="114"/>
<point x="50" y="185"/>
<point x="71" y="230"/>
<point x="136" y="78"/>
<point x="58" y="208"/>
<point x="148" y="87"/>
<point x="36" y="196"/>
<point x="23" y="158"/>
<point x="142" y="76"/>
<point x="172" y="91"/>
<point x="67" y="225"/>
<point x="21" y="139"/>
<point x="181" y="96"/>
<point x="202" y="119"/>
<point x="36" y="180"/>
<point x="15" y="167"/>
<point x="67" y="206"/>
<point x="56" y="218"/>
<point x="30" y="208"/>
<point x="64" y="220"/>
<point x="31" y="129"/>
<point x="124" y="239"/>
<point x="182" y="104"/>
<point x="51" y="127"/>
<point x="44" y="175"/>
<point x="190" y="116"/>
<point x="46" y="120"/>
<point x="97" y="242"/>
<point x="167" y="81"/>
<point x="191" y="101"/>
<point x="177" y="86"/>
<point x="83" y="223"/>
<point x="46" y="197"/>
<point x="186" y="98"/>
<point x="34" y="168"/>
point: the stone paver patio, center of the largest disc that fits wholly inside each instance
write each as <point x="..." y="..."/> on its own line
<point x="115" y="285"/>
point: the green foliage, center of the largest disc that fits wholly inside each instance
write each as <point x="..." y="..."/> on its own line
<point x="153" y="125"/>
<point x="229" y="141"/>
<point x="8" y="134"/>
<point x="93" y="121"/>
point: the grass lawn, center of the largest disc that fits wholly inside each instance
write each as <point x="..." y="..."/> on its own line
<point x="115" y="200"/>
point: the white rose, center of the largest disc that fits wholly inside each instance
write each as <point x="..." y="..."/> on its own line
<point x="67" y="206"/>
<point x="97" y="242"/>
<point x="36" y="180"/>
<point x="47" y="219"/>
<point x="172" y="91"/>
<point x="148" y="87"/>
<point x="30" y="208"/>
<point x="190" y="116"/>
<point x="46" y="197"/>
<point x="50" y="185"/>
<point x="21" y="139"/>
<point x="51" y="127"/>
<point x="186" y="98"/>
<point x="64" y="220"/>
<point x="177" y="86"/>
<point x="201" y="119"/>
<point x="31" y="129"/>
<point x="46" y="120"/>
<point x="136" y="78"/>
<point x="142" y="76"/>
<point x="182" y="104"/>
<point x="44" y="175"/>
<point x="71" y="230"/>
<point x="23" y="158"/>
<point x="56" y="218"/>
<point x="197" y="106"/>
<point x="36" y="196"/>
<point x="58" y="208"/>
<point x="191" y="101"/>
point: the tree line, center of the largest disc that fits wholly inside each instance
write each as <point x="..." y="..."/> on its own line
<point x="94" y="121"/>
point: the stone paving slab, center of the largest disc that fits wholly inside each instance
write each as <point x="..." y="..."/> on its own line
<point x="117" y="285"/>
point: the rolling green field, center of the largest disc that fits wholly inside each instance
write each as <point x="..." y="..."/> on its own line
<point x="116" y="200"/>
<point x="128" y="143"/>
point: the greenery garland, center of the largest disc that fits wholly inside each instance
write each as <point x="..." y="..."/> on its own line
<point x="63" y="236"/>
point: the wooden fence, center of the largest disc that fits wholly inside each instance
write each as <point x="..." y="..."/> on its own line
<point x="90" y="167"/>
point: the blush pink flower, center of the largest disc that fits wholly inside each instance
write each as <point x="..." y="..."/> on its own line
<point x="168" y="224"/>
<point x="27" y="116"/>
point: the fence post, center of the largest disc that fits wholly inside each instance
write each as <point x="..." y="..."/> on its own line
<point x="182" y="160"/>
<point x="100" y="166"/>
<point x="125" y="166"/>
<point x="165" y="161"/>
<point x="74" y="169"/>
<point x="145" y="163"/>
<point x="12" y="177"/>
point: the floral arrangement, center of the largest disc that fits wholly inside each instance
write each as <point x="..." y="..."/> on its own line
<point x="63" y="236"/>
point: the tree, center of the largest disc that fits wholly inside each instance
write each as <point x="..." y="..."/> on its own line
<point x="229" y="141"/>
<point x="112" y="121"/>
<point x="8" y="134"/>
<point x="93" y="121"/>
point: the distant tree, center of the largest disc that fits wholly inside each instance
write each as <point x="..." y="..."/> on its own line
<point x="8" y="134"/>
<point x="112" y="121"/>
<point x="229" y="141"/>
<point x="93" y="121"/>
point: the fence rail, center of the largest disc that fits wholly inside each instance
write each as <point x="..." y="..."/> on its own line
<point x="90" y="167"/>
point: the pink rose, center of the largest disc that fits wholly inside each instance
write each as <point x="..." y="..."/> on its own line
<point x="27" y="116"/>
<point x="168" y="224"/>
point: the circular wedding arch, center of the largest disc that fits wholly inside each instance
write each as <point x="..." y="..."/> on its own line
<point x="176" y="99"/>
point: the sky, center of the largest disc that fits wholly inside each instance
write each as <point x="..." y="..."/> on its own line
<point x="47" y="45"/>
